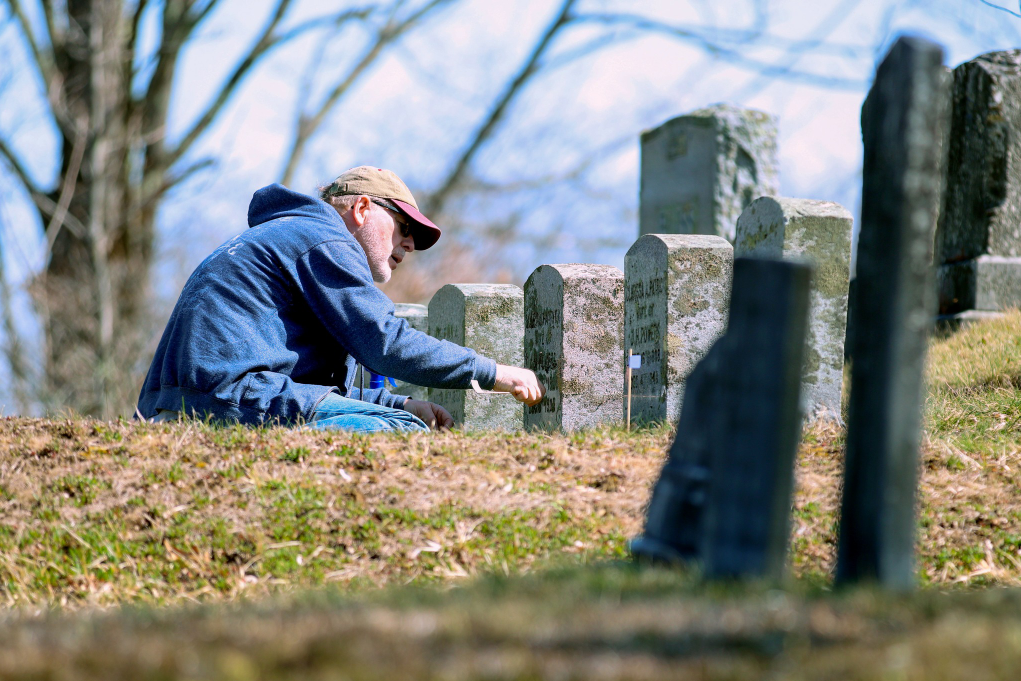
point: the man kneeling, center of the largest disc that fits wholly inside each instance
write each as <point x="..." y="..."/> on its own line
<point x="270" y="327"/>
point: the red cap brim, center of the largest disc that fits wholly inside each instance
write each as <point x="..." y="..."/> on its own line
<point x="423" y="229"/>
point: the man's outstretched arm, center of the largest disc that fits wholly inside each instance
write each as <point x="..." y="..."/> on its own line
<point x="522" y="383"/>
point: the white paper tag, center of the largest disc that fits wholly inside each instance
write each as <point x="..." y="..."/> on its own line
<point x="635" y="362"/>
<point x="480" y="391"/>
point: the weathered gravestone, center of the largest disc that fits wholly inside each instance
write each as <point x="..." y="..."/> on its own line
<point x="699" y="171"/>
<point x="573" y="342"/>
<point x="820" y="232"/>
<point x="417" y="317"/>
<point x="676" y="297"/>
<point x="979" y="236"/>
<point x="487" y="318"/>
<point x="905" y="113"/>
<point x="724" y="495"/>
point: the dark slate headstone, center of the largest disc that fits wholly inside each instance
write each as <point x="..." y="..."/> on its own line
<point x="979" y="237"/>
<point x="724" y="496"/>
<point x="902" y="129"/>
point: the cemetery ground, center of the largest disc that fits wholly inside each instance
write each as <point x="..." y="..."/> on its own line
<point x="96" y="514"/>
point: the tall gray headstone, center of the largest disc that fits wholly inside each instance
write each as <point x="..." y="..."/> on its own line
<point x="820" y="232"/>
<point x="417" y="317"/>
<point x="905" y="114"/>
<point x="574" y="318"/>
<point x="699" y="171"/>
<point x="724" y="495"/>
<point x="979" y="236"/>
<point x="676" y="297"/>
<point x="487" y="318"/>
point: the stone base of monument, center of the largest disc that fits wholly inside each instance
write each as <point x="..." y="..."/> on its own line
<point x="988" y="282"/>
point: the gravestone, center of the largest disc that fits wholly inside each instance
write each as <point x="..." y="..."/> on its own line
<point x="902" y="123"/>
<point x="574" y="318"/>
<point x="417" y="317"/>
<point x="487" y="318"/>
<point x="699" y="171"/>
<point x="979" y="236"/>
<point x="676" y="297"/>
<point x="820" y="232"/>
<point x="724" y="495"/>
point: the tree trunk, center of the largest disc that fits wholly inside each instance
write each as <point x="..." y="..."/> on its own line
<point x="92" y="289"/>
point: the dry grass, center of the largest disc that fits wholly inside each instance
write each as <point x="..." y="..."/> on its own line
<point x="96" y="514"/>
<point x="102" y="513"/>
<point x="604" y="622"/>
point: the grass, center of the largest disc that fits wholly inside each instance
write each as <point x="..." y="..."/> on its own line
<point x="104" y="513"/>
<point x="609" y="621"/>
<point x="238" y="522"/>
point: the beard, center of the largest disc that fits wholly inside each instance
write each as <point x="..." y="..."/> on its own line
<point x="378" y="255"/>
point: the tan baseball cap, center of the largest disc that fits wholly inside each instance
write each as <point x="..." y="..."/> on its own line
<point x="384" y="184"/>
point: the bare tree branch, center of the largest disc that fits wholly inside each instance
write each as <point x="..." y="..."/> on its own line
<point x="172" y="181"/>
<point x="336" y="20"/>
<point x="66" y="191"/>
<point x="235" y="79"/>
<point x="55" y="34"/>
<point x="496" y="113"/>
<point x="18" y="167"/>
<point x="308" y="125"/>
<point x="197" y="17"/>
<point x="131" y="42"/>
<point x="1002" y="9"/>
<point x="732" y="55"/>
<point x="785" y="66"/>
<point x="41" y="59"/>
<point x="14" y="347"/>
<point x="266" y="42"/>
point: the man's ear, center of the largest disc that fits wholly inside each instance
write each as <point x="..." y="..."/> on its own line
<point x="360" y="210"/>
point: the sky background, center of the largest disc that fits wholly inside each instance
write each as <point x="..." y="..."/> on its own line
<point x="422" y="102"/>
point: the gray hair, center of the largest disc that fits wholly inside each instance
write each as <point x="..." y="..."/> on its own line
<point x="341" y="202"/>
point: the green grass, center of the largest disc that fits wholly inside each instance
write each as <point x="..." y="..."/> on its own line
<point x="608" y="621"/>
<point x="487" y="555"/>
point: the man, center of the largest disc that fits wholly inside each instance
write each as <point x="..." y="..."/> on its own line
<point x="269" y="328"/>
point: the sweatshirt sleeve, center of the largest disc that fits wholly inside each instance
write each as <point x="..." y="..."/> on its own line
<point x="335" y="280"/>
<point x="380" y="396"/>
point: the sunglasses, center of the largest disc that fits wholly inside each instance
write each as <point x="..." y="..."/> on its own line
<point x="402" y="224"/>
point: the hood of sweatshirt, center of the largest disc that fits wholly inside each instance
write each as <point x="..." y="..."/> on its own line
<point x="277" y="201"/>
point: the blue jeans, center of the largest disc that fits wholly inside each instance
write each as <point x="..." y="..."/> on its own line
<point x="342" y="413"/>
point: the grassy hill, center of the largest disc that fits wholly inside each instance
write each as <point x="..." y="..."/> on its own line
<point x="98" y="514"/>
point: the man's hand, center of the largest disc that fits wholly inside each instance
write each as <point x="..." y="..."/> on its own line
<point x="521" y="383"/>
<point x="435" y="416"/>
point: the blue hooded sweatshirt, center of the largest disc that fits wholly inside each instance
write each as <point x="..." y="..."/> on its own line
<point x="277" y="318"/>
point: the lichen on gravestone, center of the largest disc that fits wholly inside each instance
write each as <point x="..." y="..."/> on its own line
<point x="820" y="232"/>
<point x="676" y="298"/>
<point x="700" y="170"/>
<point x="487" y="318"/>
<point x="573" y="342"/>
